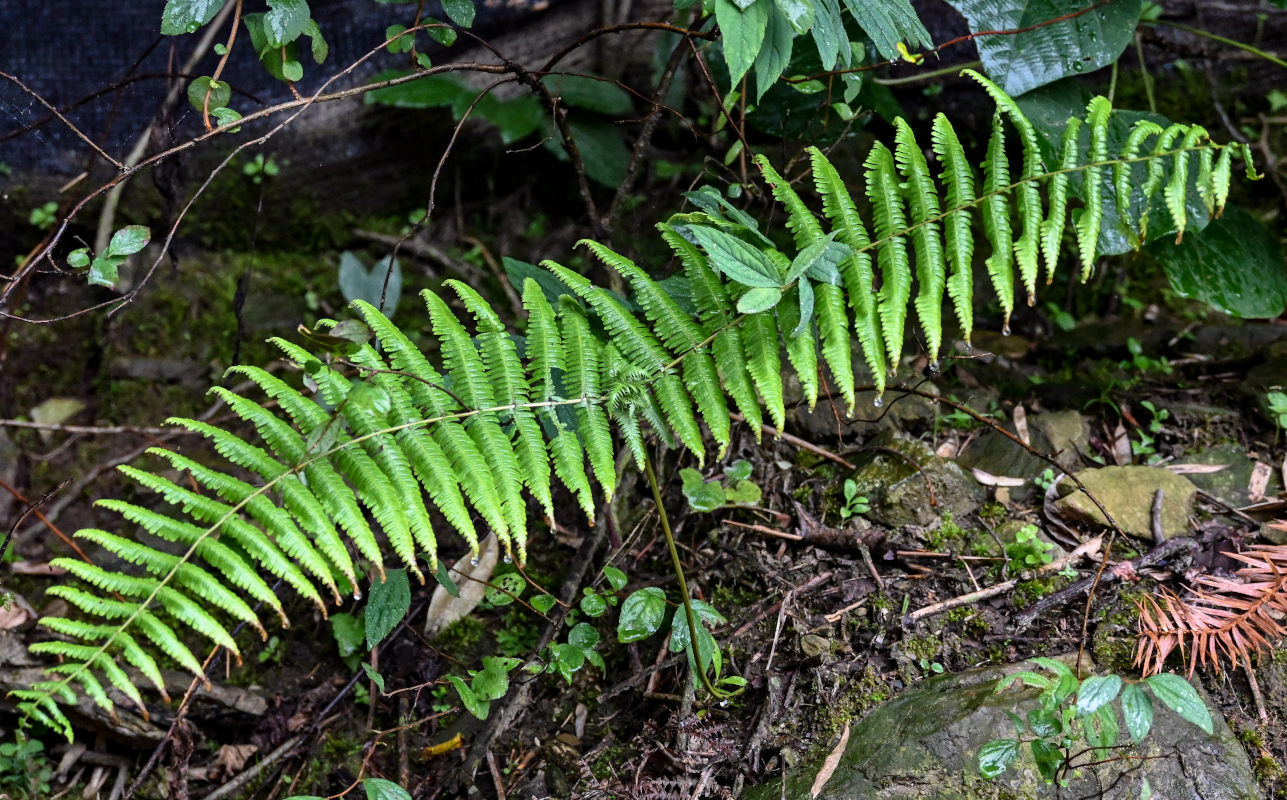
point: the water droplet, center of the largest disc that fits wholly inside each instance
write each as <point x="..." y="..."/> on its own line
<point x="723" y="703"/>
<point x="878" y="402"/>
<point x="507" y="559"/>
<point x="193" y="27"/>
<point x="934" y="367"/>
<point x="968" y="347"/>
<point x="1006" y="330"/>
<point x="473" y="561"/>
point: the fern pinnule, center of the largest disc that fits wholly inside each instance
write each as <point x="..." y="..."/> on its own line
<point x="891" y="249"/>
<point x="995" y="211"/>
<point x="800" y="219"/>
<point x="958" y="182"/>
<point x="1088" y="222"/>
<point x="1225" y="618"/>
<point x="927" y="241"/>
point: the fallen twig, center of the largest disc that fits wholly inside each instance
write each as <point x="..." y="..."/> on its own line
<point x="1001" y="588"/>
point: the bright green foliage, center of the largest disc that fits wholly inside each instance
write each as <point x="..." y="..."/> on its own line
<point x="383" y="433"/>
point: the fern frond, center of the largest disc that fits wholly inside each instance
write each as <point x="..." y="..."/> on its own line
<point x="390" y="434"/>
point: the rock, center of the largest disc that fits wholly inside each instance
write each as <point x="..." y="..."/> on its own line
<point x="1063" y="433"/>
<point x="896" y="484"/>
<point x="1230" y="485"/>
<point x="1067" y="433"/>
<point x="925" y="743"/>
<point x="1127" y="493"/>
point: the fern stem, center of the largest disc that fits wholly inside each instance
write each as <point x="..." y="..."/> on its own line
<point x="693" y="642"/>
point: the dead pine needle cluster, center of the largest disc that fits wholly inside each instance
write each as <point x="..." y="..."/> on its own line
<point x="1221" y="617"/>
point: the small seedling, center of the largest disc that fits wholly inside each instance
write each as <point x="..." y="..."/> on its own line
<point x="1028" y="550"/>
<point x="260" y="168"/>
<point x="45" y="216"/>
<point x="855" y="504"/>
<point x="1278" y="408"/>
<point x="1045" y="480"/>
<point x="736" y="490"/>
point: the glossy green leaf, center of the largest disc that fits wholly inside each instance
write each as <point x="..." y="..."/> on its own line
<point x="1178" y="695"/>
<point x="472" y="702"/>
<point x="1234" y="264"/>
<point x="775" y="53"/>
<point x="757" y="300"/>
<point x="186" y="16"/>
<point x="742" y="33"/>
<point x="543" y="603"/>
<point x="460" y="12"/>
<point x="386" y="605"/>
<point x="702" y="495"/>
<point x="615" y="578"/>
<point x="889" y="22"/>
<point x="128" y="241"/>
<point x="1097" y="691"/>
<point x="743" y="262"/>
<point x="1077" y="45"/>
<point x="799" y="13"/>
<point x="996" y="756"/>
<point x="286" y="21"/>
<point x="220" y="93"/>
<point x="381" y="789"/>
<point x="1137" y="710"/>
<point x="642" y="614"/>
<point x="103" y="272"/>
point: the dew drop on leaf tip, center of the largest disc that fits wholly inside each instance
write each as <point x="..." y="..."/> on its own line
<point x="473" y="562"/>
<point x="507" y="560"/>
<point x="1006" y="330"/>
<point x="878" y="402"/>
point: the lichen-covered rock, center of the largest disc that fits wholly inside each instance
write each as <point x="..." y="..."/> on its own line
<point x="923" y="745"/>
<point x="1127" y="493"/>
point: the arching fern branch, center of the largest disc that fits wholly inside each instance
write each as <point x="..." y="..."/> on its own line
<point x="388" y="448"/>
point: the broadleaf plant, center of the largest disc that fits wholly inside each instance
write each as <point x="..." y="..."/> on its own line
<point x="383" y="432"/>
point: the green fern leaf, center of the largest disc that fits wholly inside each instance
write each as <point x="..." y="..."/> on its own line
<point x="1123" y="173"/>
<point x="583" y="360"/>
<point x="800" y="220"/>
<point x="507" y="378"/>
<point x="469" y="383"/>
<point x="760" y="351"/>
<point x="856" y="271"/>
<point x="1089" y="220"/>
<point x="996" y="220"/>
<point x="716" y="312"/>
<point x="544" y="345"/>
<point x="1052" y="227"/>
<point x="275" y="519"/>
<point x="681" y="335"/>
<point x="1177" y="187"/>
<point x="1026" y="246"/>
<point x="210" y="511"/>
<point x="958" y="180"/>
<point x="922" y="199"/>
<point x="891" y="249"/>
